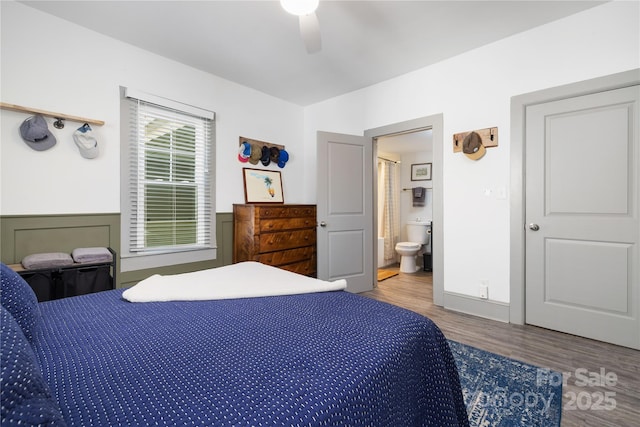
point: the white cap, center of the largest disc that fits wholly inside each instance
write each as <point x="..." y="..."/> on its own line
<point x="86" y="142"/>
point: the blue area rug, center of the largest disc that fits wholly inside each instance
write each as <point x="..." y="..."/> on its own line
<point x="499" y="391"/>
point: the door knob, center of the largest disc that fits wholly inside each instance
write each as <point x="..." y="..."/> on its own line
<point x="534" y="227"/>
<point x="323" y="224"/>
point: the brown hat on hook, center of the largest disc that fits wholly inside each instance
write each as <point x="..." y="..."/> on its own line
<point x="472" y="146"/>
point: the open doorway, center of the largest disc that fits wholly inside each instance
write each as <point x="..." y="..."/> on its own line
<point x="417" y="129"/>
<point x="405" y="202"/>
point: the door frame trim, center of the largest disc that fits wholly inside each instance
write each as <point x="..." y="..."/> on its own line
<point x="517" y="197"/>
<point x="435" y="123"/>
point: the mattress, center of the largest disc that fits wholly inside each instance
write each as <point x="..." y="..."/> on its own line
<point x="330" y="358"/>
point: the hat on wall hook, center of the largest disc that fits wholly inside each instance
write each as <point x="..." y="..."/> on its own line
<point x="36" y="133"/>
<point x="474" y="143"/>
<point x="472" y="146"/>
<point x="86" y="142"/>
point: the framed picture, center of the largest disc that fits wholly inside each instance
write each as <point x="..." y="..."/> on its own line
<point x="421" y="172"/>
<point x="262" y="186"/>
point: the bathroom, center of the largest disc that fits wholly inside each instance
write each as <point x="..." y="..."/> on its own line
<point x="405" y="200"/>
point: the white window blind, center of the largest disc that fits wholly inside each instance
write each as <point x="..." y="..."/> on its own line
<point x="169" y="177"/>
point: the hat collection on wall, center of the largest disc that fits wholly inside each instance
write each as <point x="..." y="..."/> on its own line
<point x="255" y="152"/>
<point x="474" y="143"/>
<point x="36" y="134"/>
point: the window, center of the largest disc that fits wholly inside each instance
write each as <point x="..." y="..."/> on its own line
<point x="168" y="175"/>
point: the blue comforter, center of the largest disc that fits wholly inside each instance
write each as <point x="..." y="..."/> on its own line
<point x="330" y="358"/>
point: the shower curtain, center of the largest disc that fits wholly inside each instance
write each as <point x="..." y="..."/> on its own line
<point x="387" y="172"/>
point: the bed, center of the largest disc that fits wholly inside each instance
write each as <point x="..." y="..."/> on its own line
<point x="323" y="357"/>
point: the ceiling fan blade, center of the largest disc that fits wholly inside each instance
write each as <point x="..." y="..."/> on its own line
<point x="310" y="31"/>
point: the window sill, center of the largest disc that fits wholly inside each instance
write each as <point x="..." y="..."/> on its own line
<point x="143" y="262"/>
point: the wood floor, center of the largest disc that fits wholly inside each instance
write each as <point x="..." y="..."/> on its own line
<point x="603" y="385"/>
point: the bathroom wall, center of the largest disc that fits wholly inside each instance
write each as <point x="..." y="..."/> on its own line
<point x="407" y="211"/>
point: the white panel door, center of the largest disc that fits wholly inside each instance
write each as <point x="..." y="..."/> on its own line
<point x="345" y="216"/>
<point x="582" y="184"/>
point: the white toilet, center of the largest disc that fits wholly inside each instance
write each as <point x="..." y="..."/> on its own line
<point x="418" y="233"/>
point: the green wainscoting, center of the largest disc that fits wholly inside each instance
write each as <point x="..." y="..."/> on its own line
<point x="21" y="235"/>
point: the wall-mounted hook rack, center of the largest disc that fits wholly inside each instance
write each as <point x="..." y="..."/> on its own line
<point x="59" y="123"/>
<point x="259" y="143"/>
<point x="489" y="138"/>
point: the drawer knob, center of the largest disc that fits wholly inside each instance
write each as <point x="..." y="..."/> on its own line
<point x="323" y="224"/>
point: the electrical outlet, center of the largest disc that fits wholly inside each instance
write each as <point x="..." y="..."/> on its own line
<point x="483" y="290"/>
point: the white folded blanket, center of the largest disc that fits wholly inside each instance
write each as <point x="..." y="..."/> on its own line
<point x="243" y="280"/>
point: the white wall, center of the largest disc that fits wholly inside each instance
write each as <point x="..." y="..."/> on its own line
<point x="473" y="91"/>
<point x="53" y="65"/>
<point x="408" y="212"/>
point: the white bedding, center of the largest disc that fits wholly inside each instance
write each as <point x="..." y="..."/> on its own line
<point x="243" y="280"/>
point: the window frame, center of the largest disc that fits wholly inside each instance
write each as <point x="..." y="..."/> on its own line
<point x="134" y="259"/>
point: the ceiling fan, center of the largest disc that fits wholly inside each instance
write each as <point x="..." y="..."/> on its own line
<point x="309" y="26"/>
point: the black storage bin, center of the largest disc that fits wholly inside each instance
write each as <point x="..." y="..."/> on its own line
<point x="85" y="280"/>
<point x="427" y="262"/>
<point x="43" y="284"/>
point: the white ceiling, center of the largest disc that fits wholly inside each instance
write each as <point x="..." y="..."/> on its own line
<point x="257" y="44"/>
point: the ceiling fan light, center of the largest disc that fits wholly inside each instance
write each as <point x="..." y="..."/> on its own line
<point x="299" y="7"/>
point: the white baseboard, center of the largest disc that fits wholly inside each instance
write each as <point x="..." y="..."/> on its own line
<point x="488" y="309"/>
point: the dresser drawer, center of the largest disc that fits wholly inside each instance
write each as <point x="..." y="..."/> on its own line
<point x="308" y="267"/>
<point x="269" y="242"/>
<point x="288" y="256"/>
<point x="286" y="211"/>
<point x="284" y="236"/>
<point x="286" y="224"/>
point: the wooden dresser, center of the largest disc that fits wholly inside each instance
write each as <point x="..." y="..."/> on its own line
<point x="283" y="236"/>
